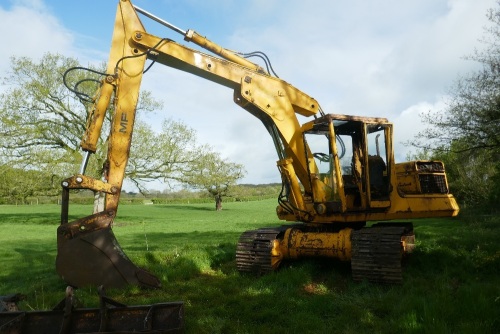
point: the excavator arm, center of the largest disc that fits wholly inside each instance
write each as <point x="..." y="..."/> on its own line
<point x="272" y="100"/>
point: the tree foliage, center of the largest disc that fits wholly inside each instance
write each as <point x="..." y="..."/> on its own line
<point x="19" y="184"/>
<point x="214" y="174"/>
<point x="470" y="174"/>
<point x="165" y="156"/>
<point x="37" y="116"/>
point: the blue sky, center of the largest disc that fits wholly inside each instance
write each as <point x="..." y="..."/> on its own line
<point x="387" y="58"/>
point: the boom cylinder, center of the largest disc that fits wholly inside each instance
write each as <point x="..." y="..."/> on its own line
<point x="192" y="36"/>
<point x="96" y="116"/>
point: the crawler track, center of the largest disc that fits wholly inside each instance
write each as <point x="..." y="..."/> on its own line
<point x="377" y="253"/>
<point x="253" y="252"/>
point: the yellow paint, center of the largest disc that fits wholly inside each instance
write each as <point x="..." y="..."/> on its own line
<point x="297" y="244"/>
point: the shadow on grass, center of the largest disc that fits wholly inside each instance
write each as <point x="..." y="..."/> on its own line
<point x="30" y="218"/>
<point x="458" y="249"/>
<point x="162" y="241"/>
<point x="187" y="207"/>
<point x="219" y="299"/>
<point x="29" y="269"/>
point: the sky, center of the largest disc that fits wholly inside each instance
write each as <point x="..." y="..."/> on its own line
<point x="384" y="58"/>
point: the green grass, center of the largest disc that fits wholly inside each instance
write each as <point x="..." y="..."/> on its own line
<point x="451" y="282"/>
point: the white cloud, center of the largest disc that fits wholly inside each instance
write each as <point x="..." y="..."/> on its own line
<point x="409" y="123"/>
<point x="430" y="57"/>
<point x="30" y="30"/>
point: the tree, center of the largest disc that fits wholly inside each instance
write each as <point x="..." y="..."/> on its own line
<point x="42" y="122"/>
<point x="470" y="174"/>
<point x="473" y="111"/>
<point x="19" y="184"/>
<point x="162" y="156"/>
<point x="467" y="134"/>
<point x="214" y="174"/>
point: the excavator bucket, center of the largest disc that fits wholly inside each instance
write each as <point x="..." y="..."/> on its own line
<point x="88" y="254"/>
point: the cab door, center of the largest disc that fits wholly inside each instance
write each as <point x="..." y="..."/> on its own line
<point x="377" y="164"/>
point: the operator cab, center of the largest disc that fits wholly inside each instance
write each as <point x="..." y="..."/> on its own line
<point x="349" y="161"/>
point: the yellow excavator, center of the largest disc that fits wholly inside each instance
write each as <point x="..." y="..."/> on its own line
<point x="342" y="191"/>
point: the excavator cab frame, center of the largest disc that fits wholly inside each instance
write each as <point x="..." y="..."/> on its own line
<point x="351" y="166"/>
<point x="350" y="161"/>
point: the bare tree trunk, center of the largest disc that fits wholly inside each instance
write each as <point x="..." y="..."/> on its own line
<point x="98" y="201"/>
<point x="218" y="203"/>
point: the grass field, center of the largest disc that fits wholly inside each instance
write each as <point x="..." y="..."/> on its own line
<point x="451" y="281"/>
